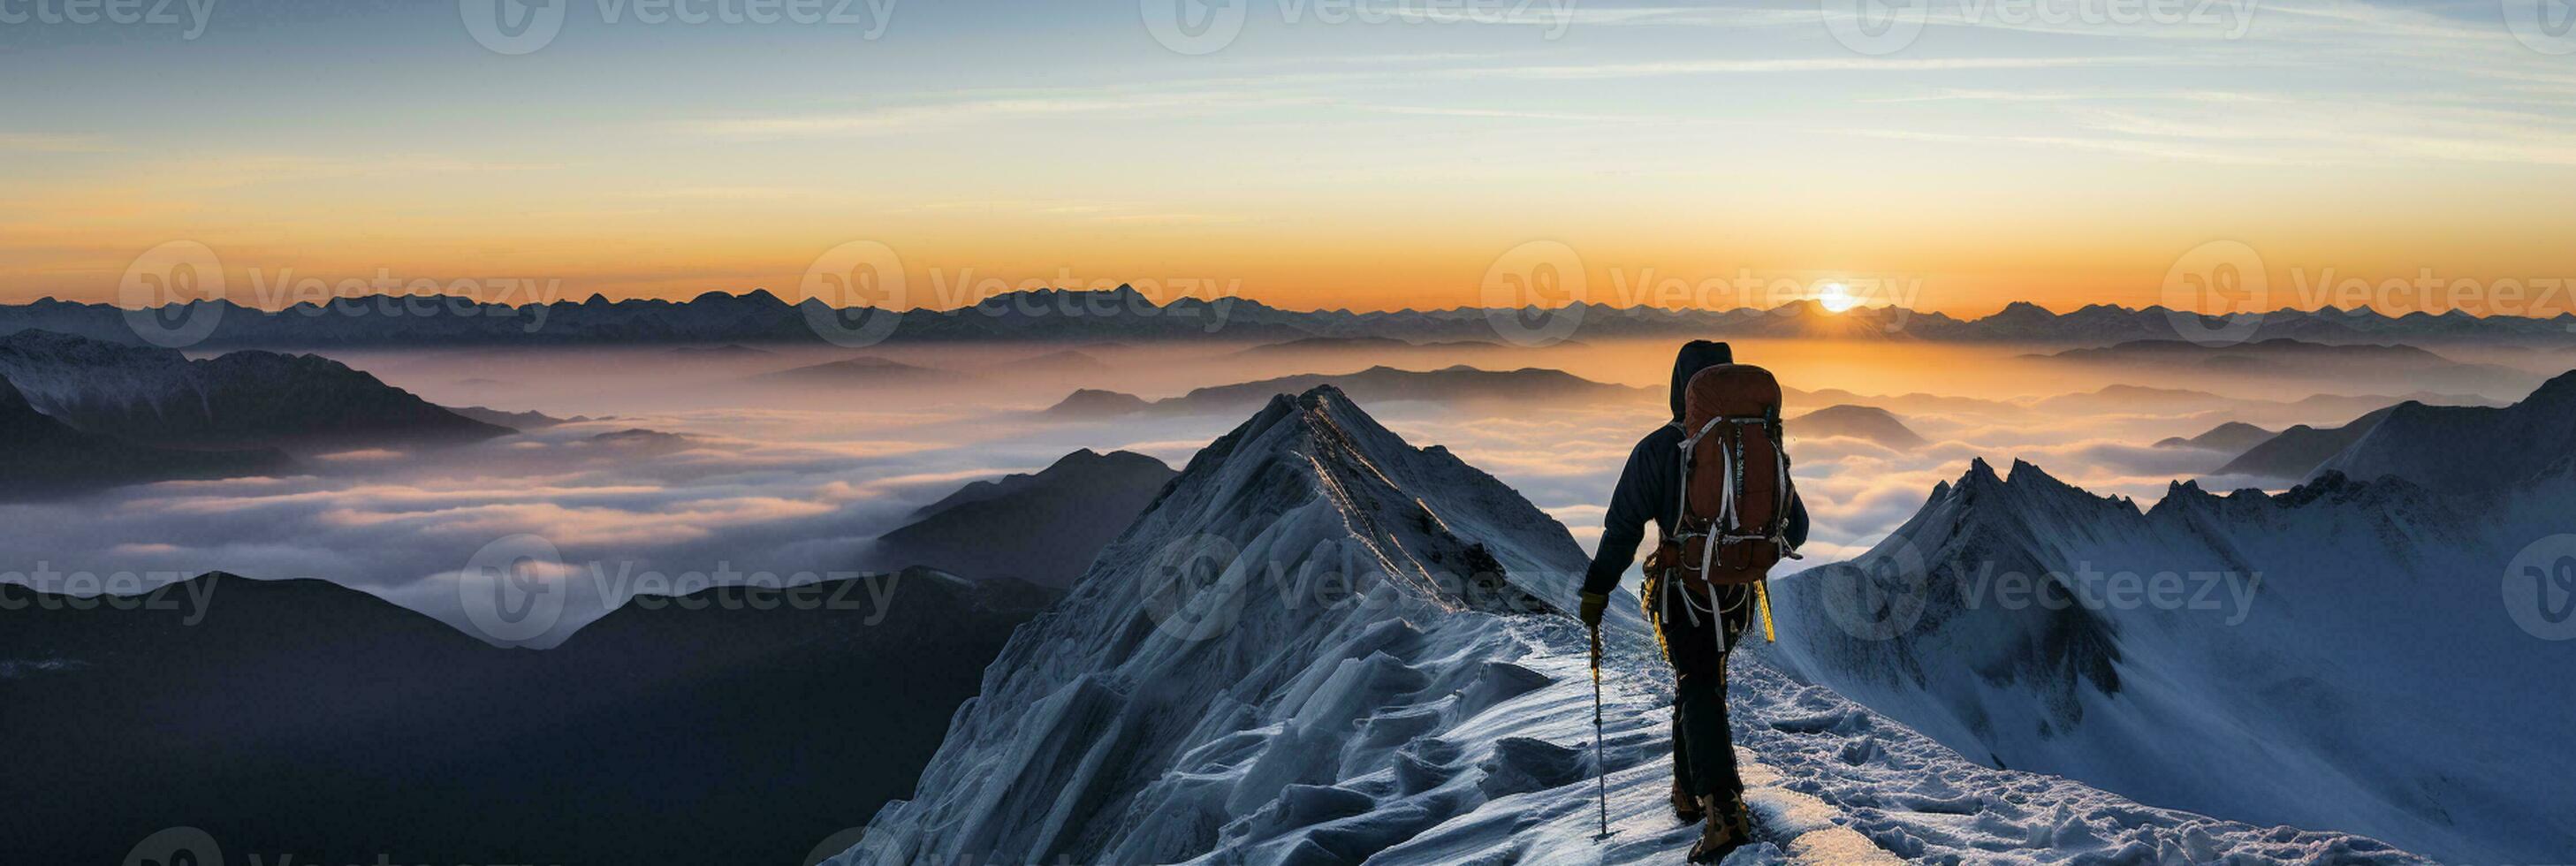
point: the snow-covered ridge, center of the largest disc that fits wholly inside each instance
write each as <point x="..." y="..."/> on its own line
<point x="1307" y="573"/>
<point x="2335" y="656"/>
<point x="1323" y="645"/>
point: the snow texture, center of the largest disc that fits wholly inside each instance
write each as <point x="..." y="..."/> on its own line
<point x="1210" y="693"/>
<point x="2332" y="657"/>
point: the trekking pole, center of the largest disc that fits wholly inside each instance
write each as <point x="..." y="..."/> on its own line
<point x="1600" y="770"/>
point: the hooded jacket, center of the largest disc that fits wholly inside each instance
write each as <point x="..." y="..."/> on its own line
<point x="1646" y="488"/>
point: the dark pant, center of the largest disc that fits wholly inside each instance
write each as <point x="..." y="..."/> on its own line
<point x="1703" y="747"/>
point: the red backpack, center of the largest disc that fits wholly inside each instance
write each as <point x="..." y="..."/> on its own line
<point x="1735" y="492"/>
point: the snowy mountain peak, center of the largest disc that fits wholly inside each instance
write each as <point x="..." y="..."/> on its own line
<point x="2032" y="488"/>
<point x="1395" y="497"/>
<point x="2020" y="621"/>
<point x="1308" y="601"/>
<point x="1980" y="473"/>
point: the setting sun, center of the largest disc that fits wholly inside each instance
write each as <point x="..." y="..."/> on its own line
<point x="1836" y="297"/>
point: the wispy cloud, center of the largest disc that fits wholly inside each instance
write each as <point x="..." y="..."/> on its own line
<point x="40" y="142"/>
<point x="2123" y="147"/>
<point x="907" y="118"/>
<point x="1775" y="66"/>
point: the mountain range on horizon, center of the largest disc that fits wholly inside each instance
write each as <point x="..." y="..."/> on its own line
<point x="1075" y="315"/>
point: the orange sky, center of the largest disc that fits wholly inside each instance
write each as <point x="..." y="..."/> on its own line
<point x="1313" y="166"/>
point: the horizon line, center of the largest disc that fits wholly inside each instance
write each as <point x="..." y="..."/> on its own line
<point x="1125" y="289"/>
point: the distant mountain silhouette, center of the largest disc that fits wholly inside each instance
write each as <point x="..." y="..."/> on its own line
<point x="2285" y="356"/>
<point x="2354" y="404"/>
<point x="530" y="420"/>
<point x="300" y="716"/>
<point x="41" y="458"/>
<point x="1097" y="403"/>
<point x="2298" y="451"/>
<point x="2282" y="350"/>
<point x="2231" y="438"/>
<point x="1125" y="315"/>
<point x="1043" y="527"/>
<point x="299" y="403"/>
<point x="2132" y="399"/>
<point x="1913" y="402"/>
<point x="864" y="370"/>
<point x="2467" y="449"/>
<point x="726" y="352"/>
<point x="1059" y="362"/>
<point x="1307" y="345"/>
<point x="1459" y="384"/>
<point x="648" y="440"/>
<point x="1867" y="423"/>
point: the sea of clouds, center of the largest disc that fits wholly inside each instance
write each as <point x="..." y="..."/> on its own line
<point x="746" y="482"/>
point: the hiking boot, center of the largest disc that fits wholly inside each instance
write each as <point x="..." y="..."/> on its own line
<point x="1685" y="807"/>
<point x="1727" y="829"/>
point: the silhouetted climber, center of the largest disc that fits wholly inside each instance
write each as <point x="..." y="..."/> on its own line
<point x="1698" y="632"/>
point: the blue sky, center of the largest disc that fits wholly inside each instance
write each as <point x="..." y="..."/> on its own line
<point x="2059" y="150"/>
